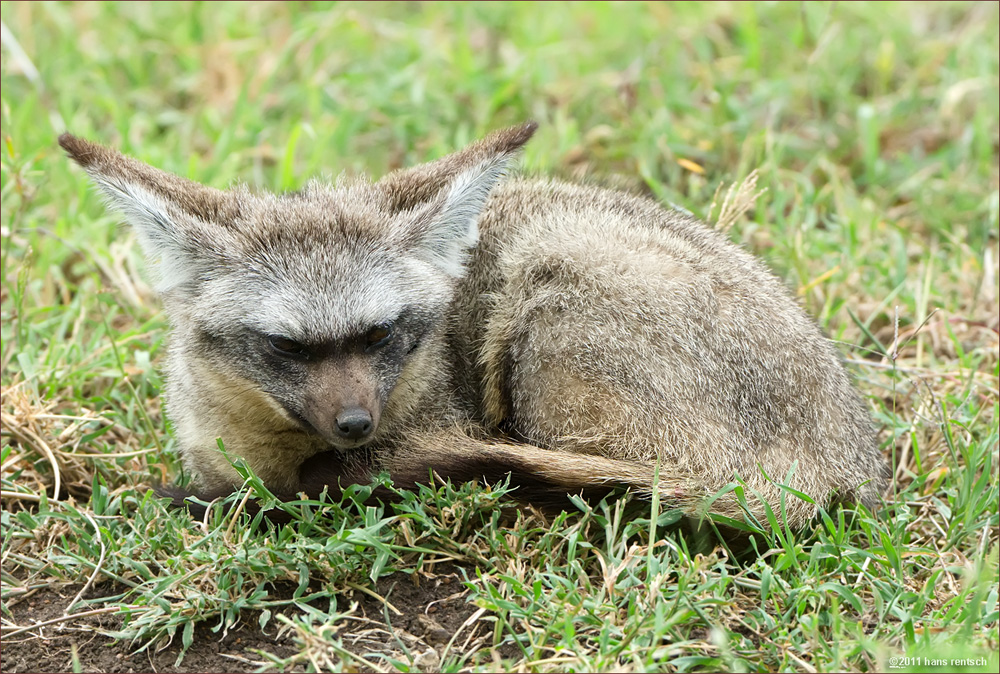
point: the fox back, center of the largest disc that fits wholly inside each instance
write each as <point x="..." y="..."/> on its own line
<point x="447" y="318"/>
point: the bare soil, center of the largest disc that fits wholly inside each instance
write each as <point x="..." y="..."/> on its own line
<point x="426" y="612"/>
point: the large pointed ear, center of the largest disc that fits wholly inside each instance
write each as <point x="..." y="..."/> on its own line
<point x="447" y="196"/>
<point x="411" y="187"/>
<point x="179" y="222"/>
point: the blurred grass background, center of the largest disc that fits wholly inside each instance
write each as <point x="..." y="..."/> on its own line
<point x="873" y="128"/>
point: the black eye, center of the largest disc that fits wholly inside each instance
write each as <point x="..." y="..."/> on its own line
<point x="378" y="336"/>
<point x="286" y="347"/>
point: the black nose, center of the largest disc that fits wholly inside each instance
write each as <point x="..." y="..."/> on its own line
<point x="354" y="423"/>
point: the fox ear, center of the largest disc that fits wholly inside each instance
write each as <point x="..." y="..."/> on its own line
<point x="176" y="219"/>
<point x="447" y="196"/>
<point x="447" y="228"/>
<point x="411" y="187"/>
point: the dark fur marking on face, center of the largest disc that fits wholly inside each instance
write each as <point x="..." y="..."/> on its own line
<point x="409" y="325"/>
<point x="284" y="376"/>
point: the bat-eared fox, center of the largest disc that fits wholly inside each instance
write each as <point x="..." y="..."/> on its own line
<point x="449" y="318"/>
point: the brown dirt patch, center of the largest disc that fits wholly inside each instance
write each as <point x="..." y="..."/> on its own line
<point x="432" y="607"/>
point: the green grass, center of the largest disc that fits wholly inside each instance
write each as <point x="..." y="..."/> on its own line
<point x="874" y="129"/>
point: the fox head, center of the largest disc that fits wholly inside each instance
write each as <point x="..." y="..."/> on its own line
<point x="318" y="299"/>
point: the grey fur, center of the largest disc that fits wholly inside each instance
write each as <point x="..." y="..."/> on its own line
<point x="568" y="334"/>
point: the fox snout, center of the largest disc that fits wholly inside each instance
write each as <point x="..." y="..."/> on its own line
<point x="342" y="402"/>
<point x="354" y="423"/>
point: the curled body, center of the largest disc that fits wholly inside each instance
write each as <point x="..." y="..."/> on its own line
<point x="450" y="318"/>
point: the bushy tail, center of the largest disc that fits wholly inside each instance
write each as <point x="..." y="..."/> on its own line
<point x="542" y="478"/>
